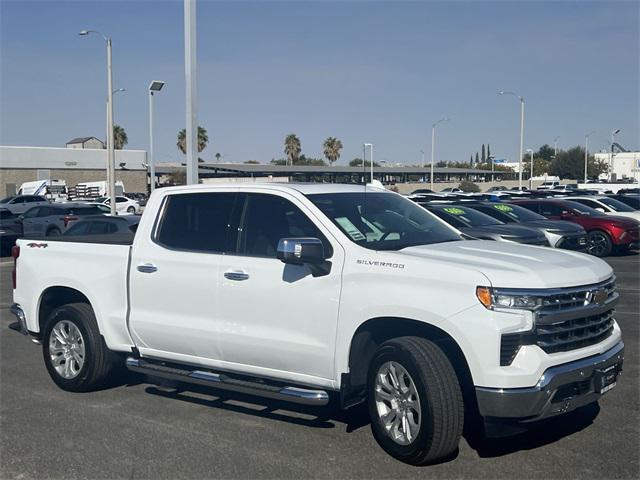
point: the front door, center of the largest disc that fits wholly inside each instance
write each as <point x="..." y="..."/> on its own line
<point x="278" y="319"/>
<point x="175" y="278"/>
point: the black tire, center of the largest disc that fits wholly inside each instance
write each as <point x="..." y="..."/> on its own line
<point x="98" y="359"/>
<point x="599" y="243"/>
<point x="54" y="232"/>
<point x="131" y="210"/>
<point x="440" y="399"/>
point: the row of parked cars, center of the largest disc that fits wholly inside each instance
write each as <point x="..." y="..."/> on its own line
<point x="35" y="216"/>
<point x="597" y="224"/>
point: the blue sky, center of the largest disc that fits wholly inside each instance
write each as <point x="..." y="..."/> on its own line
<point x="379" y="72"/>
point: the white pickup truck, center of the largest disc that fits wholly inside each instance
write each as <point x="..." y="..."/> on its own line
<point x="307" y="293"/>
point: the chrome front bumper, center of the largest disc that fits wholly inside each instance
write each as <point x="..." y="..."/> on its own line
<point x="560" y="389"/>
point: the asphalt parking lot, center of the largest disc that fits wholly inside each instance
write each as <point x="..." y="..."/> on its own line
<point x="137" y="430"/>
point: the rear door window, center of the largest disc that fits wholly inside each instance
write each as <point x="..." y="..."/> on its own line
<point x="197" y="222"/>
<point x="551" y="210"/>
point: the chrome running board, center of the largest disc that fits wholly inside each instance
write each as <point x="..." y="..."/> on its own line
<point x="223" y="381"/>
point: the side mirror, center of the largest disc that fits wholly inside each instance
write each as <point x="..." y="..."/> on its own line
<point x="567" y="214"/>
<point x="20" y="217"/>
<point x="600" y="209"/>
<point x="301" y="251"/>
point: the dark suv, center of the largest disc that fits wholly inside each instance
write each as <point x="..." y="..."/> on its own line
<point x="605" y="233"/>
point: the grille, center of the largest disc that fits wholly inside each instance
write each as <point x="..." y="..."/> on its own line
<point x="567" y="320"/>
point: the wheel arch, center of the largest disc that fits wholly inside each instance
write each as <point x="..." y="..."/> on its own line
<point x="57" y="296"/>
<point x="375" y="331"/>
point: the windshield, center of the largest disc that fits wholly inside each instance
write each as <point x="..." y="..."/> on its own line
<point x="616" y="205"/>
<point x="382" y="221"/>
<point x="461" y="217"/>
<point x="7" y="199"/>
<point x="510" y="213"/>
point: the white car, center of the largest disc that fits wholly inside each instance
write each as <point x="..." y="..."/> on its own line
<point x="123" y="204"/>
<point x="295" y="292"/>
<point x="549" y="185"/>
<point x="607" y="205"/>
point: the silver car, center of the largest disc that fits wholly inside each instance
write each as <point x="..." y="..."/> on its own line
<point x="52" y="220"/>
<point x="18" y="204"/>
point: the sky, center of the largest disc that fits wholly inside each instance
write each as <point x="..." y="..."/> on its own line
<point x="378" y="72"/>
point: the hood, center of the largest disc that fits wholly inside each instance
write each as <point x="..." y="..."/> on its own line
<point x="510" y="265"/>
<point x="510" y="230"/>
<point x="556" y="225"/>
<point x="634" y="215"/>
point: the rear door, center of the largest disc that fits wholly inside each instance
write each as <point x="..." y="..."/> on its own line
<point x="175" y="275"/>
<point x="33" y="221"/>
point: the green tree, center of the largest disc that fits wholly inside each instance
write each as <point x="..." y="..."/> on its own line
<point x="357" y="162"/>
<point x="470" y="187"/>
<point x="488" y="152"/>
<point x="252" y="162"/>
<point x="570" y="164"/>
<point x="484" y="158"/>
<point x="332" y="147"/>
<point x="119" y="137"/>
<point x="477" y="159"/>
<point x="545" y="152"/>
<point x="218" y="157"/>
<point x="471" y="159"/>
<point x="292" y="148"/>
<point x="203" y="140"/>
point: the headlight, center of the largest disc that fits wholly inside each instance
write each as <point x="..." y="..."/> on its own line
<point x="497" y="298"/>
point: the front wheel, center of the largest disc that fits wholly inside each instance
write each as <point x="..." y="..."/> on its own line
<point x="599" y="243"/>
<point x="415" y="401"/>
<point x="131" y="210"/>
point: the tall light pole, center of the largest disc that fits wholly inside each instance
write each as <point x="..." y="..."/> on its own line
<point x="422" y="164"/>
<point x="586" y="154"/>
<point x="613" y="137"/>
<point x="111" y="159"/>
<point x="106" y="138"/>
<point x="555" y="147"/>
<point x="530" y="152"/>
<point x="520" y="152"/>
<point x="154" y="87"/>
<point x="364" y="150"/>
<point x="433" y="146"/>
<point x="190" y="72"/>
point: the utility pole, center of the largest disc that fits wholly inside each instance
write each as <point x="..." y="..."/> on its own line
<point x="190" y="73"/>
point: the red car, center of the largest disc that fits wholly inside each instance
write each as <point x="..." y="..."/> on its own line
<point x="605" y="233"/>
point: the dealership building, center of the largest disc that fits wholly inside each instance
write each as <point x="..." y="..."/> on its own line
<point x="622" y="165"/>
<point x="73" y="165"/>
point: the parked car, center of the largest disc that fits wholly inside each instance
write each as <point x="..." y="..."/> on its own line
<point x="124" y="225"/>
<point x="566" y="188"/>
<point x="607" y="205"/>
<point x="604" y="232"/>
<point x="53" y="219"/>
<point x="498" y="188"/>
<point x="559" y="233"/>
<point x="18" y="204"/>
<point x="123" y="204"/>
<point x="518" y="189"/>
<point x="548" y="185"/>
<point x="480" y="226"/>
<point x="293" y="292"/>
<point x="451" y="190"/>
<point x="10" y="231"/>
<point x="422" y="190"/>
<point x="632" y="200"/>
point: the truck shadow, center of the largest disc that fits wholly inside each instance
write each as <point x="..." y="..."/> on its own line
<point x="536" y="435"/>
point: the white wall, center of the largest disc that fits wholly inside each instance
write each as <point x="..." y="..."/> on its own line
<point x="68" y="158"/>
<point x="625" y="164"/>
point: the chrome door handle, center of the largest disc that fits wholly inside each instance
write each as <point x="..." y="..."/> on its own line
<point x="147" y="268"/>
<point x="236" y="275"/>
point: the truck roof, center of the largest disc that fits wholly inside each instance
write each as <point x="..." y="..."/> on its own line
<point x="304" y="188"/>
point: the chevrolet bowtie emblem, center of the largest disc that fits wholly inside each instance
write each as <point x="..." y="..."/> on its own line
<point x="598" y="296"/>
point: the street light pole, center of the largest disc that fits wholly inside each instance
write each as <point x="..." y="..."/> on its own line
<point x="433" y="146"/>
<point x="154" y="86"/>
<point x="364" y="154"/>
<point x="586" y="154"/>
<point x="521" y="133"/>
<point x="613" y="136"/>
<point x="530" y="152"/>
<point x="555" y="147"/>
<point x="111" y="160"/>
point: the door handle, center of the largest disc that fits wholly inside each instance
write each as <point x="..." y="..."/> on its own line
<point x="237" y="275"/>
<point x="147" y="268"/>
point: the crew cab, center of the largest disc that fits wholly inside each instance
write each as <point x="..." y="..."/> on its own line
<point x="316" y="292"/>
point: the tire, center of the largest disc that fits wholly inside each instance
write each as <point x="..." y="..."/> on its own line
<point x="438" y="424"/>
<point x="54" y="232"/>
<point x="131" y="210"/>
<point x="97" y="361"/>
<point x="599" y="243"/>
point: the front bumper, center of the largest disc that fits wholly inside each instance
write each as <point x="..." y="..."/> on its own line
<point x="573" y="242"/>
<point x="560" y="389"/>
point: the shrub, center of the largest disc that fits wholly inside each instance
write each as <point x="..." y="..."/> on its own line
<point x="469" y="187"/>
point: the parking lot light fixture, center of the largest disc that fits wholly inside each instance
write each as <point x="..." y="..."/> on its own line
<point x="586" y="154"/>
<point x="364" y="150"/>
<point x="530" y="152"/>
<point x="154" y="86"/>
<point x="433" y="145"/>
<point x="520" y="152"/>
<point x="555" y="147"/>
<point x="111" y="158"/>
<point x="613" y="138"/>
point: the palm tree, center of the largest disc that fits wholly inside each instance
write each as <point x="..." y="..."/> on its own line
<point x="332" y="147"/>
<point x="119" y="137"/>
<point x="292" y="147"/>
<point x="218" y="157"/>
<point x="203" y="140"/>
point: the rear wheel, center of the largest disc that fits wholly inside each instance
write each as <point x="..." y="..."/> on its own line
<point x="75" y="354"/>
<point x="415" y="401"/>
<point x="131" y="210"/>
<point x="599" y="243"/>
<point x="54" y="232"/>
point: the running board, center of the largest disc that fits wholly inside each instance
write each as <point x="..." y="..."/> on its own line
<point x="222" y="381"/>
